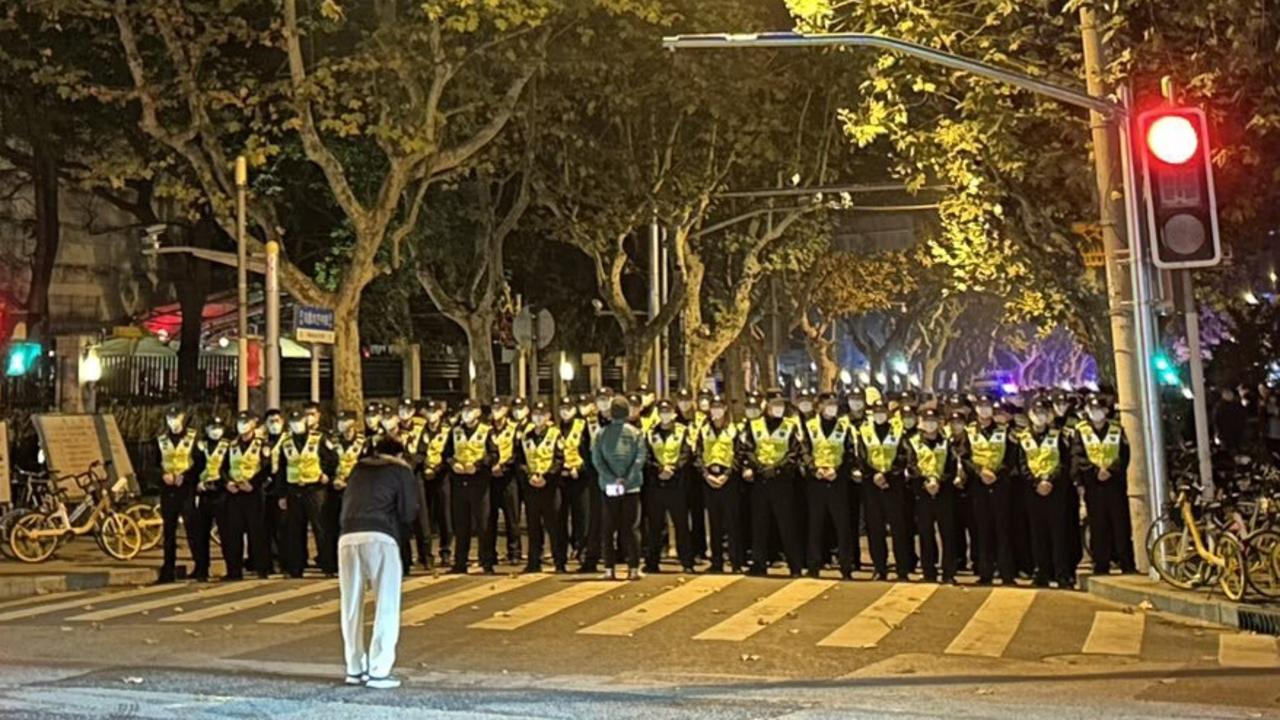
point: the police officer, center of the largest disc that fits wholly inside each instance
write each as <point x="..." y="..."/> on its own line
<point x="1101" y="465"/>
<point x="774" y="449"/>
<point x="372" y="426"/>
<point x="574" y="485"/>
<point x="694" y="416"/>
<point x="177" y="494"/>
<point x="540" y="457"/>
<point x="931" y="474"/>
<point x="210" y="457"/>
<point x="990" y="467"/>
<point x="856" y="402"/>
<point x="1065" y="420"/>
<point x="309" y="462"/>
<point x="247" y="473"/>
<point x="718" y="464"/>
<point x="597" y="418"/>
<point x="883" y="488"/>
<point x="348" y="444"/>
<point x="435" y="510"/>
<point x="648" y="410"/>
<point x="828" y="479"/>
<point x="503" y="489"/>
<point x="275" y="492"/>
<point x="665" y="492"/>
<point x="1046" y="458"/>
<point x="470" y="453"/>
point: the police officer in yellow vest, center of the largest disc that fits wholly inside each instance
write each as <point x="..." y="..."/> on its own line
<point x="718" y="461"/>
<point x="349" y="445"/>
<point x="665" y="490"/>
<point x="575" y="485"/>
<point x="275" y="491"/>
<point x="773" y="452"/>
<point x="470" y="453"/>
<point x="210" y="457"/>
<point x="1046" y="464"/>
<point x="931" y="474"/>
<point x="540" y="456"/>
<point x="433" y="470"/>
<point x="247" y="473"/>
<point x="831" y="442"/>
<point x="694" y="417"/>
<point x="990" y="467"/>
<point x="309" y="463"/>
<point x="648" y="409"/>
<point x="504" y="488"/>
<point x="957" y="432"/>
<point x="597" y="417"/>
<point x="1101" y="464"/>
<point x="884" y="463"/>
<point x="177" y="493"/>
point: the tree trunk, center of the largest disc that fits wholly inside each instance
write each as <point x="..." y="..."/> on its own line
<point x="48" y="235"/>
<point x="735" y="381"/>
<point x="348" y="380"/>
<point x="479" y="329"/>
<point x="639" y="361"/>
<point x="702" y="359"/>
<point x="824" y="355"/>
<point x="191" y="280"/>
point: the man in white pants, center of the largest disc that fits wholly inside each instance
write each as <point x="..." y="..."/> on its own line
<point x="381" y="498"/>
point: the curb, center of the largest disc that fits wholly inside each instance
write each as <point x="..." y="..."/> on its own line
<point x="1199" y="606"/>
<point x="23" y="585"/>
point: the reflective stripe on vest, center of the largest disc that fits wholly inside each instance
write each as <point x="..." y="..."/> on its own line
<point x="1042" y="457"/>
<point x="828" y="450"/>
<point x="771" y="448"/>
<point x="213" y="461"/>
<point x="435" y="447"/>
<point x="1103" y="452"/>
<point x="539" y="455"/>
<point x="880" y="453"/>
<point x="302" y="467"/>
<point x="698" y="422"/>
<point x="666" y="450"/>
<point x="649" y="421"/>
<point x="718" y="445"/>
<point x="505" y="439"/>
<point x="573" y="443"/>
<point x="470" y="450"/>
<point x="246" y="463"/>
<point x="348" y="457"/>
<point x="987" y="453"/>
<point x="176" y="459"/>
<point x="931" y="461"/>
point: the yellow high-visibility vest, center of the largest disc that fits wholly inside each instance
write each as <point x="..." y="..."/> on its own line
<point x="348" y="457"/>
<point x="302" y="465"/>
<point x="698" y="422"/>
<point x="246" y="464"/>
<point x="213" y="461"/>
<point x="931" y="462"/>
<point x="880" y="453"/>
<point x="540" y="454"/>
<point x="988" y="453"/>
<point x="667" y="450"/>
<point x="435" y="446"/>
<point x="771" y="447"/>
<point x="1043" y="457"/>
<point x="1102" y="452"/>
<point x="572" y="444"/>
<point x="718" y="445"/>
<point x="414" y="433"/>
<point x="649" y="421"/>
<point x="828" y="450"/>
<point x="176" y="459"/>
<point x="505" y="439"/>
<point x="470" y="450"/>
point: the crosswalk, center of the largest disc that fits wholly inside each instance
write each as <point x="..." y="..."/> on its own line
<point x="860" y="617"/>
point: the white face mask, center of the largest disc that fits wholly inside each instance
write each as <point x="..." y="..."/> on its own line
<point x="881" y="418"/>
<point x="985" y="411"/>
<point x="585" y="410"/>
<point x="857" y="405"/>
<point x="929" y="426"/>
<point x="298" y="426"/>
<point x="470" y="416"/>
<point x="520" y="413"/>
<point x="390" y="424"/>
<point x="244" y="426"/>
<point x="1061" y="409"/>
<point x="752" y="413"/>
<point x="404" y="413"/>
<point x="566" y="414"/>
<point x="717" y="413"/>
<point x="1039" y="420"/>
<point x="805" y="406"/>
<point x="684" y="406"/>
<point x="371" y="421"/>
<point x="344" y="426"/>
<point x="648" y="399"/>
<point x="275" y="427"/>
<point x="704" y="405"/>
<point x="667" y="418"/>
<point x="539" y="419"/>
<point x="777" y="411"/>
<point x="602" y="405"/>
<point x="499" y="413"/>
<point x="214" y="433"/>
<point x="908" y="421"/>
<point x="313" y="420"/>
<point x="830" y="411"/>
<point x="434" y="416"/>
<point x="1097" y="415"/>
<point x="175" y="424"/>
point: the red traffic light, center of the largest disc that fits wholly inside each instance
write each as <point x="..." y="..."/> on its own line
<point x="1172" y="139"/>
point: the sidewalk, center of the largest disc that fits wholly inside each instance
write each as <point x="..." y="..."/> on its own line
<point x="78" y="566"/>
<point x="1203" y="604"/>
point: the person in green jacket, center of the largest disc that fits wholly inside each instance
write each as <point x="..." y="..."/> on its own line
<point x="619" y="456"/>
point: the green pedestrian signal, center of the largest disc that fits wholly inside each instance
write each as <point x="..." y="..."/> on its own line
<point x="22" y="358"/>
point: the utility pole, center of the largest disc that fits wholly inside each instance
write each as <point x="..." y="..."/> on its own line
<point x="271" y="288"/>
<point x="655" y="300"/>
<point x="242" y="288"/>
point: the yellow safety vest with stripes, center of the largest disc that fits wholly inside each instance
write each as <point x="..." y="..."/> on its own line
<point x="435" y="446"/>
<point x="988" y="453"/>
<point x="880" y="453"/>
<point x="505" y="440"/>
<point x="718" y="445"/>
<point x="539" y="455"/>
<point x="666" y="450"/>
<point x="213" y="458"/>
<point x="302" y="465"/>
<point x="771" y="447"/>
<point x="348" y="456"/>
<point x="931" y="461"/>
<point x="1102" y="452"/>
<point x="470" y="450"/>
<point x="246" y="463"/>
<point x="176" y="459"/>
<point x="1043" y="457"/>
<point x="828" y="450"/>
<point x="572" y="444"/>
<point x="698" y="422"/>
<point x="416" y="426"/>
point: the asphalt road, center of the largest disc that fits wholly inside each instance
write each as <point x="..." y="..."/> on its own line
<point x="667" y="646"/>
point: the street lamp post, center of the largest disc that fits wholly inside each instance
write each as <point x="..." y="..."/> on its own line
<point x="242" y="288"/>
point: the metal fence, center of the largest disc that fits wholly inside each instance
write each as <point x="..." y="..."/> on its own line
<point x="155" y="379"/>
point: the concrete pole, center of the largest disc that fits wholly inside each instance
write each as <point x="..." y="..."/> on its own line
<point x="655" y="300"/>
<point x="1129" y="401"/>
<point x="271" y="361"/>
<point x="1198" y="400"/>
<point x="665" y="355"/>
<point x="242" y="288"/>
<point x="315" y="372"/>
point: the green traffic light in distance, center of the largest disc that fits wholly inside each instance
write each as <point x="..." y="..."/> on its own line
<point x="22" y="357"/>
<point x="1162" y="363"/>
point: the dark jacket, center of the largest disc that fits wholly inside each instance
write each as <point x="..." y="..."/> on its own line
<point x="381" y="496"/>
<point x="619" y="455"/>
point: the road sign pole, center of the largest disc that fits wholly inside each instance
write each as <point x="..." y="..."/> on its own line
<point x="315" y="372"/>
<point x="242" y="288"/>
<point x="271" y="363"/>
<point x="1199" y="409"/>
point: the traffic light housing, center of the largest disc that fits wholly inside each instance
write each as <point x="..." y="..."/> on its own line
<point x="21" y="359"/>
<point x="1182" y="207"/>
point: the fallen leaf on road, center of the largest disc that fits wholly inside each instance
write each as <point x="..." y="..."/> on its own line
<point x="145" y="612"/>
<point x="761" y="621"/>
<point x="984" y="691"/>
<point x="150" y="641"/>
<point x="1145" y="605"/>
<point x="502" y="614"/>
<point x="422" y="664"/>
<point x="794" y="631"/>
<point x="227" y="627"/>
<point x="1167" y="681"/>
<point x="86" y="607"/>
<point x="793" y="615"/>
<point x="641" y="610"/>
<point x="131" y="680"/>
<point x="96" y="625"/>
<point x="192" y="633"/>
<point x="715" y="611"/>
<point x="66" y="628"/>
<point x="179" y="609"/>
<point x="868" y="646"/>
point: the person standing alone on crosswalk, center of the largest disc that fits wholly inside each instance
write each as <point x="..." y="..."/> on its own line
<point x="380" y="500"/>
<point x="619" y="457"/>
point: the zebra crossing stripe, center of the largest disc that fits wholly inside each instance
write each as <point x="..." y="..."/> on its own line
<point x="329" y="607"/>
<point x="1242" y="650"/>
<point x="35" y="599"/>
<point x="1115" y="633"/>
<point x="235" y="606"/>
<point x="204" y="593"/>
<point x="546" y="606"/>
<point x="766" y="611"/>
<point x="46" y="608"/>
<point x="877" y="620"/>
<point x="421" y="612"/>
<point x="989" y="631"/>
<point x="661" y="606"/>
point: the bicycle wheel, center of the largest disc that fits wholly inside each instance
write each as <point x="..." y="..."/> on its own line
<point x="1260" y="551"/>
<point x="1234" y="579"/>
<point x="118" y="536"/>
<point x="26" y="545"/>
<point x="1174" y="557"/>
<point x="149" y="523"/>
<point x="7" y="521"/>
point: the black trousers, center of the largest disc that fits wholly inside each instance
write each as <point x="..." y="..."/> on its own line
<point x="885" y="508"/>
<point x="177" y="504"/>
<point x="909" y="522"/>
<point x="697" y="504"/>
<point x="542" y="509"/>
<point x="936" y="521"/>
<point x="575" y="509"/>
<point x="439" y="511"/>
<point x="855" y="522"/>
<point x="663" y="498"/>
<point x="724" y="513"/>
<point x="966" y="534"/>
<point x="210" y="512"/>
<point x="275" y="522"/>
<point x="470" y="500"/>
<point x="773" y="504"/>
<point x="1110" y="527"/>
<point x="245" y="513"/>
<point x="306" y="508"/>
<point x="1023" y="555"/>
<point x="993" y="530"/>
<point x="829" y="501"/>
<point x="417" y="534"/>
<point x="504" y="496"/>
<point x="621" y="517"/>
<point x="331" y="517"/>
<point x="595" y="525"/>
<point x="1050" y="535"/>
<point x="1071" y="519"/>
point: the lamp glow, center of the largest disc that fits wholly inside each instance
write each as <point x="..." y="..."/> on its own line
<point x="1173" y="139"/>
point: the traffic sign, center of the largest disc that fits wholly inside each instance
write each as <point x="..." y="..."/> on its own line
<point x="523" y="328"/>
<point x="313" y="324"/>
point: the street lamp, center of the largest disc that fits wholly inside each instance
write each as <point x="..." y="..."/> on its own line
<point x="566" y="375"/>
<point x="846" y="378"/>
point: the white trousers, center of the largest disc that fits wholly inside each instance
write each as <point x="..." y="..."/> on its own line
<point x="370" y="560"/>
